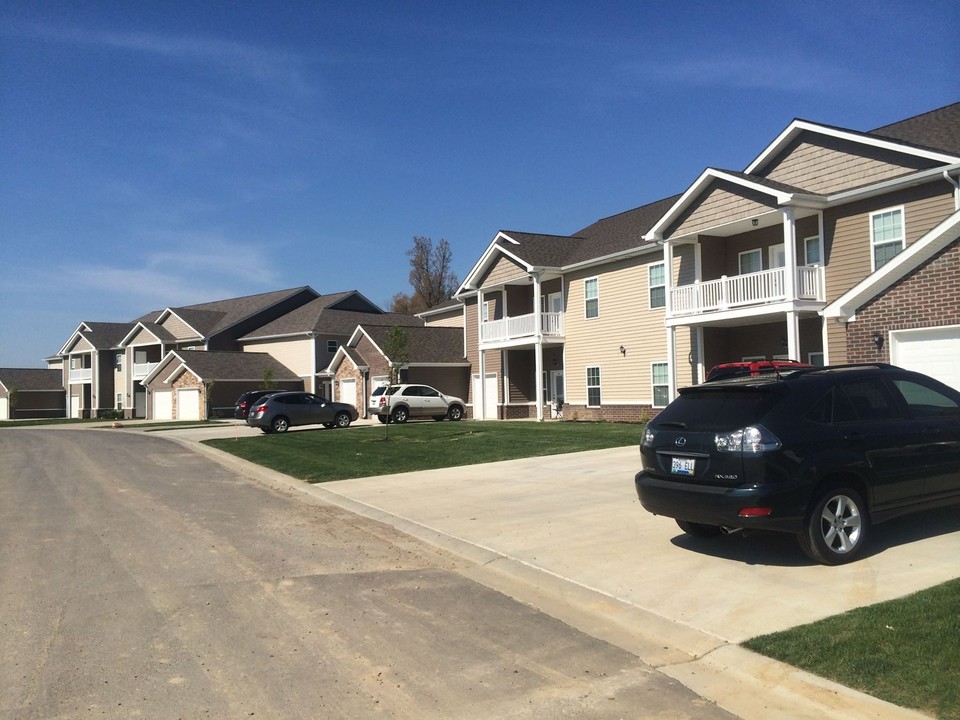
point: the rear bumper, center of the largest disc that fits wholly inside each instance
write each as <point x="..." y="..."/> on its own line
<point x="712" y="505"/>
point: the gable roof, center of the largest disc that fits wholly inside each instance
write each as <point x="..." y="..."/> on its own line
<point x="210" y="365"/>
<point x="337" y="314"/>
<point x="426" y="345"/>
<point x="936" y="129"/>
<point x="207" y="319"/>
<point x="30" y="379"/>
<point x="845" y="307"/>
<point x="100" y="335"/>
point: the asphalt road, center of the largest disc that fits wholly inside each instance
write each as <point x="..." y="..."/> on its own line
<point x="140" y="579"/>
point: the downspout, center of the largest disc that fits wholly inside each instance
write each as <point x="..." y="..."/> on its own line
<point x="956" y="189"/>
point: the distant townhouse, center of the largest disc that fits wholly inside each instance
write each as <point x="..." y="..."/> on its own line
<point x="832" y="246"/>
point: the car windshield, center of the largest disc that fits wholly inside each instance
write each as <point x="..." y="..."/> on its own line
<point x="710" y="410"/>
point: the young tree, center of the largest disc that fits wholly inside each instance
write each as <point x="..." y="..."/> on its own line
<point x="398" y="351"/>
<point x="431" y="276"/>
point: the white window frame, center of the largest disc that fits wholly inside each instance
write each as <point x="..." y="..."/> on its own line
<point x="816" y="358"/>
<point x="756" y="251"/>
<point x="598" y="386"/>
<point x="485" y="311"/>
<point x="654" y="384"/>
<point x="661" y="285"/>
<point x="587" y="299"/>
<point x="806" y="255"/>
<point x="772" y="252"/>
<point x="902" y="239"/>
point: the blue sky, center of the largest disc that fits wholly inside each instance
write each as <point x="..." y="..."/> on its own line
<point x="164" y="154"/>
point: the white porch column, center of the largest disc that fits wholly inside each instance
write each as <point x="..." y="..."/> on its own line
<point x="793" y="335"/>
<point x="790" y="255"/>
<point x="479" y="402"/>
<point x="538" y="344"/>
<point x="671" y="363"/>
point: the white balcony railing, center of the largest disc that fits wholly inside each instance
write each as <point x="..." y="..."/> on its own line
<point x="81" y="375"/>
<point x="521" y="326"/>
<point x="757" y="288"/>
<point x="141" y="370"/>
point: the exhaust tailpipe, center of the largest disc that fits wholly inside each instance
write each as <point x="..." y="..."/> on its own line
<point x="727" y="530"/>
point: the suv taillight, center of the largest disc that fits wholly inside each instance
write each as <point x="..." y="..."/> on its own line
<point x="753" y="439"/>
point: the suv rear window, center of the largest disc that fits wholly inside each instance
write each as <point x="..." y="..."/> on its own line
<point x="708" y="409"/>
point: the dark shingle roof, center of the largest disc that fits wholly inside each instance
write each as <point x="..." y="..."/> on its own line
<point x="323" y="317"/>
<point x="935" y="130"/>
<point x="215" y="365"/>
<point x="27" y="379"/>
<point x="426" y="344"/>
<point x="105" y="336"/>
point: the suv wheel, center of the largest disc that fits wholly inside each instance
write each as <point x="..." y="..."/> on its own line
<point x="280" y="424"/>
<point x="455" y="412"/>
<point x="699" y="529"/>
<point x="400" y="415"/>
<point x="836" y="529"/>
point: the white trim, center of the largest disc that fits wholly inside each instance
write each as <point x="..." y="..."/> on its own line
<point x="654" y="385"/>
<point x="845" y="307"/>
<point x="587" y="385"/>
<point x="650" y="286"/>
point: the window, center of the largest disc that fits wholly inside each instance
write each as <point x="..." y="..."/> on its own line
<point x="593" y="387"/>
<point x="812" y="252"/>
<point x="660" y="374"/>
<point x="886" y="235"/>
<point x="485" y="311"/>
<point x="658" y="286"/>
<point x="815" y="358"/>
<point x="777" y="255"/>
<point x="118" y="361"/>
<point x="925" y="401"/>
<point x="591" y="296"/>
<point x="751" y="261"/>
<point x="332" y="346"/>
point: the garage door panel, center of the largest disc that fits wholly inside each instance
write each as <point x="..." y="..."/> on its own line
<point x="932" y="351"/>
<point x="188" y="404"/>
<point x="163" y="405"/>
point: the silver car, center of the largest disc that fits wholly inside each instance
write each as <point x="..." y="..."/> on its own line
<point x="280" y="411"/>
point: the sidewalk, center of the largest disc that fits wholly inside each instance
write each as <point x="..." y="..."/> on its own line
<point x="567" y="534"/>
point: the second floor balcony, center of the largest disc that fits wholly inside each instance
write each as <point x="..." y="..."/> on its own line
<point x="81" y="375"/>
<point x="142" y="369"/>
<point x="739" y="291"/>
<point x="521" y="328"/>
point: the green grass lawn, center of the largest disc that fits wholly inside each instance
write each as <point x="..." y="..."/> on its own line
<point x="905" y="651"/>
<point x="324" y="455"/>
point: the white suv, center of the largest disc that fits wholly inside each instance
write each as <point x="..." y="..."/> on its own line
<point x="398" y="403"/>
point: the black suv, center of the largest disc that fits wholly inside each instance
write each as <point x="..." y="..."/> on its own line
<point x="822" y="453"/>
<point x="246" y="401"/>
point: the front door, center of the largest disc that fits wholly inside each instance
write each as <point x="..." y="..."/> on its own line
<point x="556" y="391"/>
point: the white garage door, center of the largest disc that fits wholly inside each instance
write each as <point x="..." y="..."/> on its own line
<point x="489" y="396"/>
<point x="163" y="405"/>
<point x="932" y="351"/>
<point x="188" y="404"/>
<point x="348" y="392"/>
<point x="4" y="409"/>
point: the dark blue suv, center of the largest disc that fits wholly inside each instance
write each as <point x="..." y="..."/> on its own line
<point x="823" y="453"/>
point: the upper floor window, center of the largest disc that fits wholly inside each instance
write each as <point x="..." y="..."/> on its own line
<point x="658" y="286"/>
<point x="812" y="251"/>
<point x="751" y="261"/>
<point x="332" y="346"/>
<point x="485" y="311"/>
<point x="591" y="297"/>
<point x="886" y="235"/>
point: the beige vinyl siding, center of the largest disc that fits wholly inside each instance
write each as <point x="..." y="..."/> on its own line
<point x="825" y="165"/>
<point x="492" y="359"/>
<point x="178" y="328"/>
<point x="625" y="319"/>
<point x="295" y="354"/>
<point x="723" y="202"/>
<point x="847" y="231"/>
<point x="143" y="337"/>
<point x="80" y="345"/>
<point x="503" y="270"/>
<point x="451" y="318"/>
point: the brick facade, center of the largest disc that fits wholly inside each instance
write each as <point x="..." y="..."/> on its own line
<point x="927" y="297"/>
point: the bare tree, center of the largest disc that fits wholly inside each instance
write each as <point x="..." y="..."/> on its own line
<point x="431" y="276"/>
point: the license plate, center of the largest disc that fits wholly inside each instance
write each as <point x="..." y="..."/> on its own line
<point x="682" y="466"/>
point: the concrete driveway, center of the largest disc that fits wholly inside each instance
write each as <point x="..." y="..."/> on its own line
<point x="567" y="534"/>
